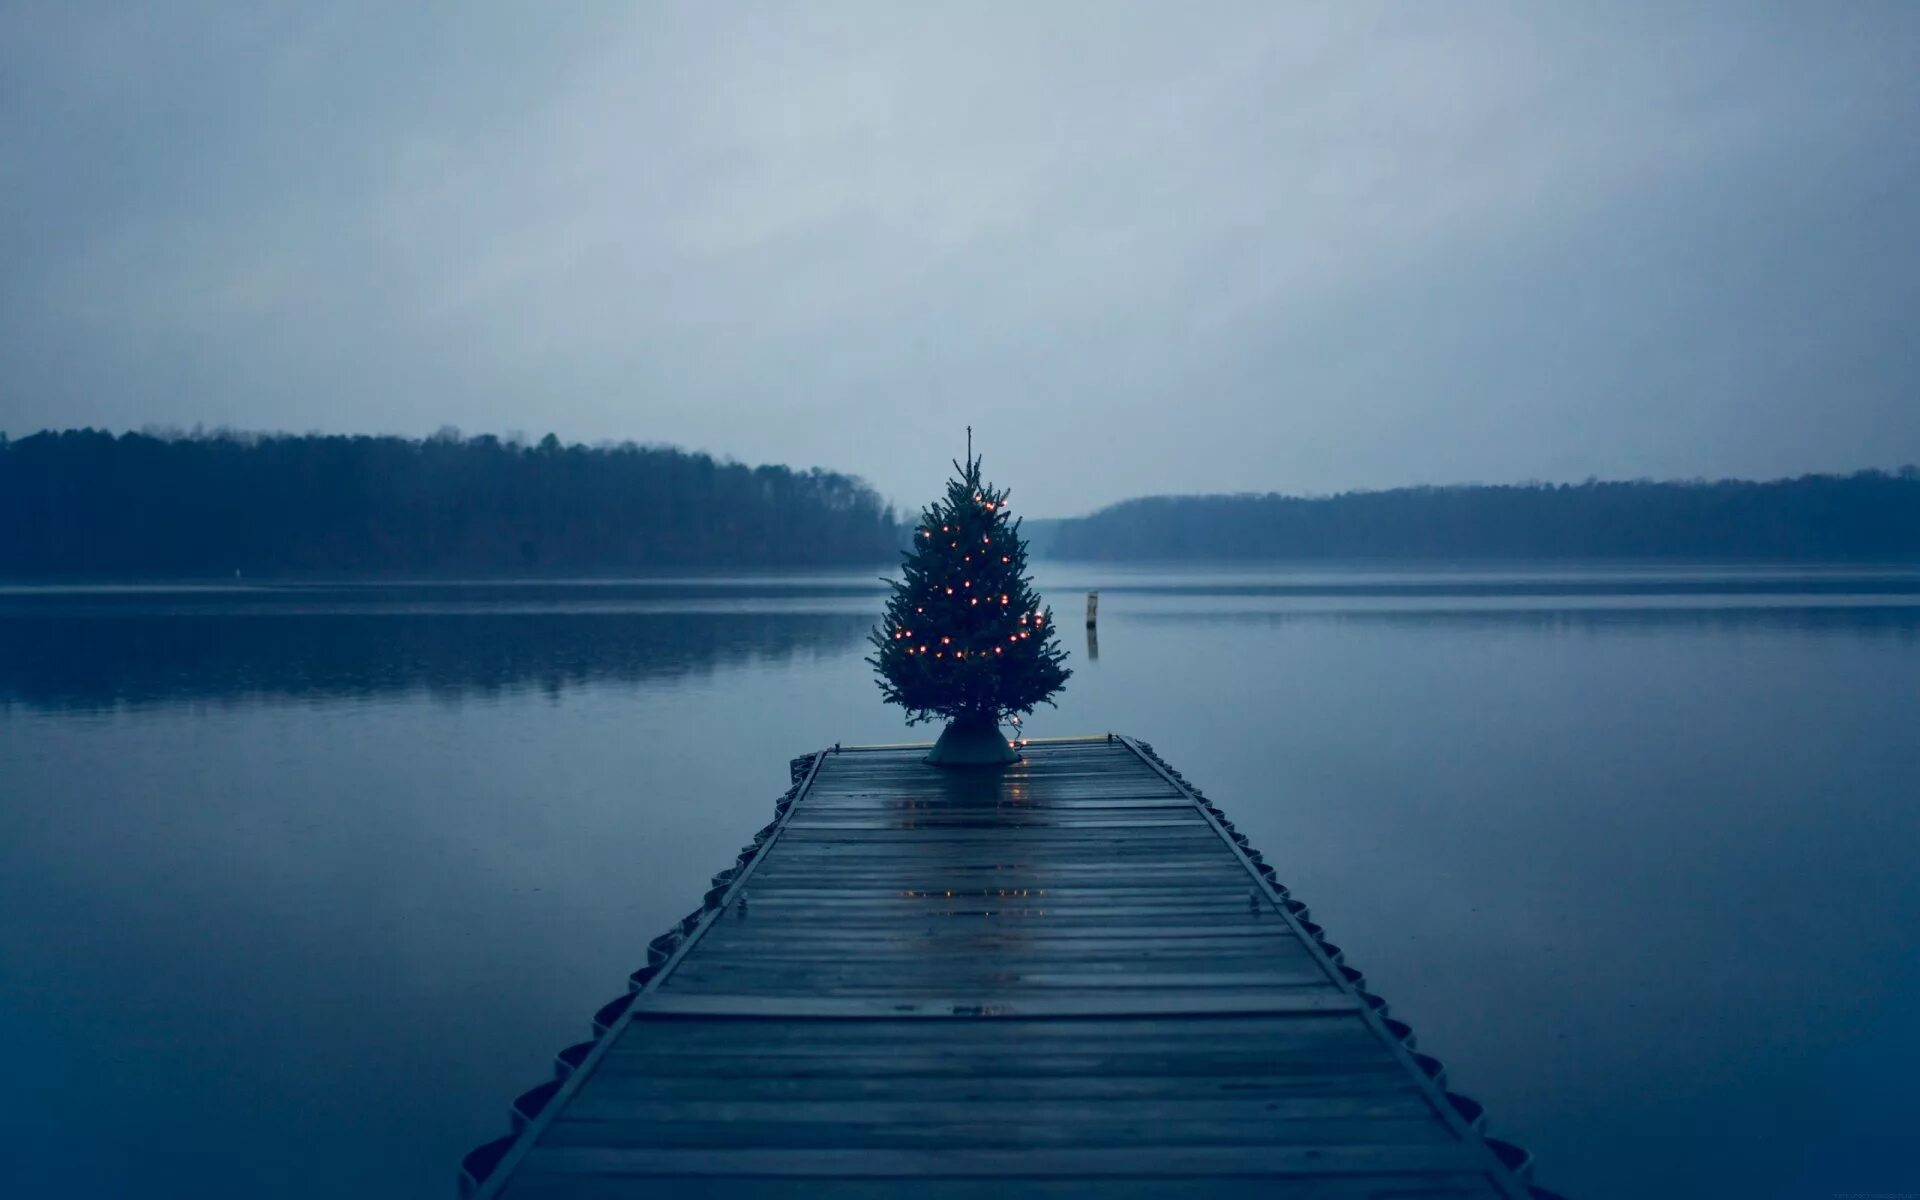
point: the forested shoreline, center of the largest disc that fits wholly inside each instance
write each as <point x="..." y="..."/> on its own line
<point x="92" y="504"/>
<point x="1869" y="515"/>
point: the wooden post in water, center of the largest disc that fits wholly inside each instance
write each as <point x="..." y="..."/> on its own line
<point x="1093" y="609"/>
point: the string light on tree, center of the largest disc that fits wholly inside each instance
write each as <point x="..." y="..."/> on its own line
<point x="937" y="599"/>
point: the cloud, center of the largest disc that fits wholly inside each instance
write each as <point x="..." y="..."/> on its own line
<point x="1238" y="246"/>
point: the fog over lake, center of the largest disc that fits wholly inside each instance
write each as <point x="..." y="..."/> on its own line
<point x="300" y="885"/>
<point x="446" y="455"/>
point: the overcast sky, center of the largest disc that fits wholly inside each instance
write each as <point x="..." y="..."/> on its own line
<point x="1167" y="247"/>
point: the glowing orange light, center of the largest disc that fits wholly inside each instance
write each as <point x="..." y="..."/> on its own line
<point x="949" y="591"/>
<point x="946" y="641"/>
<point x="975" y="600"/>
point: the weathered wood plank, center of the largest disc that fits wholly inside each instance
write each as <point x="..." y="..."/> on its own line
<point x="1258" y="1159"/>
<point x="1109" y="1003"/>
<point x="1049" y="1063"/>
<point x="1253" y="1033"/>
<point x="1403" y="1186"/>
<point x="638" y="1104"/>
<point x="952" y="938"/>
<point x="964" y="1128"/>
<point x="1060" y="980"/>
<point x="1309" y="1081"/>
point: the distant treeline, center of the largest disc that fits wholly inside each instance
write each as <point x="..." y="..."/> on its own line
<point x="1868" y="515"/>
<point x="89" y="503"/>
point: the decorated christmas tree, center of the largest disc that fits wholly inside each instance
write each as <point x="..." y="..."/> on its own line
<point x="965" y="636"/>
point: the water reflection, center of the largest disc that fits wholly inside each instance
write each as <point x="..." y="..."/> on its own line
<point x="1889" y="618"/>
<point x="76" y="662"/>
<point x="283" y="911"/>
<point x="1412" y="580"/>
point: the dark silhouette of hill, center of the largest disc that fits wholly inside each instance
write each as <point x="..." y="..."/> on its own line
<point x="87" y="503"/>
<point x="1870" y="515"/>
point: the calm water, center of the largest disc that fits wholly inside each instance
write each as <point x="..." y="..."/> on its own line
<point x="300" y="886"/>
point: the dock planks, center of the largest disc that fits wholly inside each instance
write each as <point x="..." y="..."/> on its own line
<point x="1065" y="979"/>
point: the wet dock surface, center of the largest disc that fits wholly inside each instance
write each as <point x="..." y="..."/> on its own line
<point x="1066" y="978"/>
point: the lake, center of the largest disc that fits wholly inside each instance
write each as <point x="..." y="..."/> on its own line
<point x="300" y="885"/>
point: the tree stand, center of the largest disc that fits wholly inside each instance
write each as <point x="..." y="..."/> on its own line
<point x="973" y="740"/>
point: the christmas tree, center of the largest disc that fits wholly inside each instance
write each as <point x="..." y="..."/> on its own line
<point x="965" y="636"/>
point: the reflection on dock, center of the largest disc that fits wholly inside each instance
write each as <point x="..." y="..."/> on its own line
<point x="1070" y="978"/>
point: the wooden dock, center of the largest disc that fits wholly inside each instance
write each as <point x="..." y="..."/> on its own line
<point x="1070" y="978"/>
